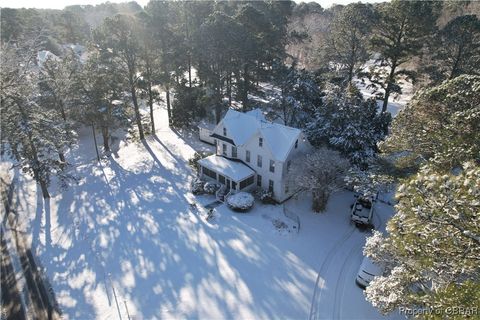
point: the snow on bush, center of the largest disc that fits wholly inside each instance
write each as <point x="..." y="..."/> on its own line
<point x="266" y="197"/>
<point x="197" y="186"/>
<point x="211" y="187"/>
<point x="241" y="201"/>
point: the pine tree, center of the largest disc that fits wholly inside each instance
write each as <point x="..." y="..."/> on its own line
<point x="150" y="65"/>
<point x="299" y="94"/>
<point x="58" y="90"/>
<point x="103" y="100"/>
<point x="441" y="124"/>
<point x="31" y="134"/>
<point x="349" y="124"/>
<point x="120" y="35"/>
<point x="432" y="250"/>
<point x="161" y="19"/>
<point x="455" y="49"/>
<point x="347" y="40"/>
<point x="399" y="32"/>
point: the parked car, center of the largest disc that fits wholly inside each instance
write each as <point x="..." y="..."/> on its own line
<point x="368" y="270"/>
<point x="362" y="211"/>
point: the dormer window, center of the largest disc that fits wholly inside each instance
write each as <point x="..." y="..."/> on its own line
<point x="296" y="144"/>
<point x="224" y="131"/>
<point x="260" y="142"/>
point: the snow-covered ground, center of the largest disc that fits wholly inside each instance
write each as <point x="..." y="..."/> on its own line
<point x="125" y="242"/>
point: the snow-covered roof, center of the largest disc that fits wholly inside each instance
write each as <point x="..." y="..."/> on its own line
<point x="242" y="126"/>
<point x="257" y="113"/>
<point x="279" y="138"/>
<point x="234" y="170"/>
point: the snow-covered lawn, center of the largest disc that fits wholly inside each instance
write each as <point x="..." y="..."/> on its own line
<point x="127" y="238"/>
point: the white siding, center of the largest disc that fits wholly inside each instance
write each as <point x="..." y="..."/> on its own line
<point x="204" y="135"/>
<point x="278" y="177"/>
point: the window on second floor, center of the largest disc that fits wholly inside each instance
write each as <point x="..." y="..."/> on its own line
<point x="259" y="161"/>
<point x="272" y="166"/>
<point x="260" y="142"/>
<point x="224" y="131"/>
<point x="234" y="152"/>
<point x="247" y="156"/>
<point x="224" y="149"/>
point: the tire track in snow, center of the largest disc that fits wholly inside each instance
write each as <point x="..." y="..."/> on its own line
<point x="323" y="268"/>
<point x="343" y="275"/>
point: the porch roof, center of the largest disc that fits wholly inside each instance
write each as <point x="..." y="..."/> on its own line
<point x="234" y="170"/>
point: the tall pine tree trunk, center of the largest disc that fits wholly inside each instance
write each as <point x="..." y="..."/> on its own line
<point x="43" y="186"/>
<point x="106" y="137"/>
<point x="350" y="73"/>
<point x="138" y="117"/>
<point x="62" y="111"/>
<point x="388" y="89"/>
<point x="150" y="103"/>
<point x="284" y="107"/>
<point x="229" y="89"/>
<point x="454" y="70"/>
<point x="189" y="70"/>
<point x="169" y="109"/>
<point x="61" y="156"/>
<point x="245" y="87"/>
<point x="218" y="104"/>
<point x="95" y="140"/>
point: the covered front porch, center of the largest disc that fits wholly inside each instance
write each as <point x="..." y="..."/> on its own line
<point x="233" y="175"/>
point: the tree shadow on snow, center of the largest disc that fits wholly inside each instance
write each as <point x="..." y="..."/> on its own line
<point x="134" y="227"/>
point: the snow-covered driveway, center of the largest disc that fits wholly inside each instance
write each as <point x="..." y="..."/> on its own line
<point x="124" y="242"/>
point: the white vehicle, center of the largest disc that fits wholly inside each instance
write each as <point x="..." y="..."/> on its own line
<point x="368" y="270"/>
<point x="362" y="211"/>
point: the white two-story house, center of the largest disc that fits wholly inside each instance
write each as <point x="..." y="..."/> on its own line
<point x="253" y="153"/>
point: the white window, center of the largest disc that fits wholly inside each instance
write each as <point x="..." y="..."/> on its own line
<point x="224" y="131"/>
<point x="234" y="152"/>
<point x="259" y="180"/>
<point x="272" y="166"/>
<point x="270" y="186"/>
<point x="259" y="161"/>
<point x="260" y="142"/>
<point x="247" y="156"/>
<point x="224" y="149"/>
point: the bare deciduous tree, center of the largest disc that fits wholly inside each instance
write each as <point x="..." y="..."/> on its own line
<point x="321" y="173"/>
